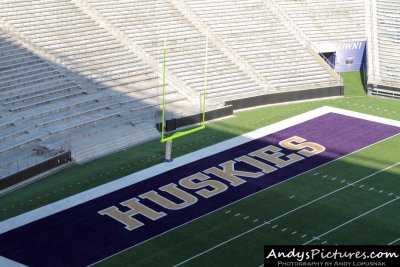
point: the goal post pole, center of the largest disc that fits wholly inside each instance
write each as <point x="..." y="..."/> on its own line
<point x="168" y="140"/>
<point x="163" y="91"/>
<point x="205" y="83"/>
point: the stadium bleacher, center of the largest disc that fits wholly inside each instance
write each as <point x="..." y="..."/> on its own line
<point x="149" y="23"/>
<point x="384" y="42"/>
<point x="332" y="21"/>
<point x="42" y="106"/>
<point x="252" y="30"/>
<point x="85" y="75"/>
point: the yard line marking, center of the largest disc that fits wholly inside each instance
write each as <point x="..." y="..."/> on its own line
<point x="283" y="230"/>
<point x="303" y="235"/>
<point x="237" y="214"/>
<point x="245" y="218"/>
<point x="274" y="226"/>
<point x="226" y="212"/>
<point x="361" y="186"/>
<point x="256" y="220"/>
<point x="282" y="215"/>
<point x="291" y="197"/>
<point x="394" y="241"/>
<point x="351" y="220"/>
<point x="323" y="243"/>
<point x="294" y="232"/>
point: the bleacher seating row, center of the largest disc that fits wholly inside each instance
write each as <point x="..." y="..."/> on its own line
<point x="327" y="21"/>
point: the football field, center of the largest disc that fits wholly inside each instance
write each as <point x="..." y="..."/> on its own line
<point x="348" y="193"/>
<point x="299" y="181"/>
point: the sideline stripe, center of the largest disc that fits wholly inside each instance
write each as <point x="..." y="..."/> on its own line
<point x="287" y="213"/>
<point x="394" y="241"/>
<point x="10" y="263"/>
<point x="96" y="192"/>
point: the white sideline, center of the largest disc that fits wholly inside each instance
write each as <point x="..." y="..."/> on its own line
<point x="394" y="241"/>
<point x="93" y="193"/>
<point x="10" y="263"/>
<point x="286" y="213"/>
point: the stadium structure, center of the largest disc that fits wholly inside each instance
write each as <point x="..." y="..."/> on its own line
<point x="84" y="76"/>
<point x="82" y="79"/>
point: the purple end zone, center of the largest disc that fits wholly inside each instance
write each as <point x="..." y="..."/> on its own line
<point x="79" y="236"/>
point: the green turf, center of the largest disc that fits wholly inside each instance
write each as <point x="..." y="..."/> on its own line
<point x="353" y="83"/>
<point x="204" y="233"/>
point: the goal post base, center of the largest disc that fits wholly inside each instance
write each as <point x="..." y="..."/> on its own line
<point x="168" y="151"/>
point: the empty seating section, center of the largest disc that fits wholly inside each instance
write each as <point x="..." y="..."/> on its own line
<point x="64" y="31"/>
<point x="388" y="40"/>
<point x="327" y="21"/>
<point x="85" y="150"/>
<point x="251" y="29"/>
<point x="39" y="106"/>
<point x="112" y="99"/>
<point x="149" y="23"/>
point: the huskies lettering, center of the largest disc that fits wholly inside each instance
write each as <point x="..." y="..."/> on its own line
<point x="172" y="189"/>
<point x="307" y="149"/>
<point x="135" y="208"/>
<point x="204" y="181"/>
<point x="228" y="173"/>
<point x="266" y="160"/>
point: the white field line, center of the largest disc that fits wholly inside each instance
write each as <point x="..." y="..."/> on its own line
<point x="244" y="198"/>
<point x="352" y="220"/>
<point x="394" y="241"/>
<point x="284" y="214"/>
<point x="10" y="263"/>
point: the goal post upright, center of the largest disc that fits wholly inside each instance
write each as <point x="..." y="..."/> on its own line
<point x="168" y="140"/>
<point x="205" y="83"/>
<point x="163" y="91"/>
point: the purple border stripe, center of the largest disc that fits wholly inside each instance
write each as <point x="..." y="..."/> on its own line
<point x="79" y="236"/>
